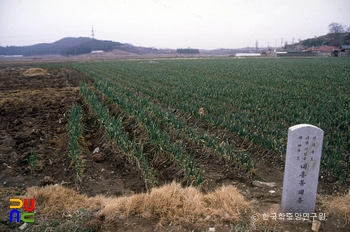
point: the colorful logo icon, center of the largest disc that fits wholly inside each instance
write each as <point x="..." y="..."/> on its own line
<point x="27" y="216"/>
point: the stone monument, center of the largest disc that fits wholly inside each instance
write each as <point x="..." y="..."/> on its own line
<point x="304" y="148"/>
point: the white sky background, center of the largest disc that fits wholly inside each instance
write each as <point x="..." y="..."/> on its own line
<point x="204" y="24"/>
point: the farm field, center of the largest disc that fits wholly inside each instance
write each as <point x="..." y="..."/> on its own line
<point x="128" y="127"/>
<point x="256" y="99"/>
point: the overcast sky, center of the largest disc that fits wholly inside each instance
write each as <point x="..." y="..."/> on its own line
<point x="206" y="24"/>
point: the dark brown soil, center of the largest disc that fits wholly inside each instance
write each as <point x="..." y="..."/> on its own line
<point x="33" y="115"/>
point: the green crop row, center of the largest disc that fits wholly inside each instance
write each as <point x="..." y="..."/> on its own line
<point x="117" y="134"/>
<point x="75" y="131"/>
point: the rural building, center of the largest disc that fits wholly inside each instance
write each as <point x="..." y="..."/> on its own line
<point x="325" y="50"/>
<point x="344" y="51"/>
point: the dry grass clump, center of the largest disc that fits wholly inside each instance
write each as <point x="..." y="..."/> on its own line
<point x="53" y="199"/>
<point x="35" y="72"/>
<point x="172" y="203"/>
<point x="339" y="206"/>
<point x="168" y="204"/>
<point x="227" y="203"/>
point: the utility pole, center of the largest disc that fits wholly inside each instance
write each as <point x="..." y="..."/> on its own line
<point x="282" y="43"/>
<point x="92" y="33"/>
<point x="92" y="38"/>
<point x="276" y="44"/>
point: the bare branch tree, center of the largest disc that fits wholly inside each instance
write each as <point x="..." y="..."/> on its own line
<point x="336" y="28"/>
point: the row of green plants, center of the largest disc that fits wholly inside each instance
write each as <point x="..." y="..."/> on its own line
<point x="259" y="99"/>
<point x="117" y="134"/>
<point x="75" y="130"/>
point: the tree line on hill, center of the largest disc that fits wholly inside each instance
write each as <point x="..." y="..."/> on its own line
<point x="91" y="45"/>
<point x="187" y="51"/>
<point x="338" y="35"/>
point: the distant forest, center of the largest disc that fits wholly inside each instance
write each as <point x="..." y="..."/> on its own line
<point x="187" y="51"/>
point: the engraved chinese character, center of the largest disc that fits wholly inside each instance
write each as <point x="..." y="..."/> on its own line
<point x="300" y="200"/>
<point x="304" y="166"/>
<point x="302" y="182"/>
<point x="303" y="174"/>
<point x="301" y="192"/>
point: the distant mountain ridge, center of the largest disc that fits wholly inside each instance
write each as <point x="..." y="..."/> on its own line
<point x="84" y="45"/>
<point x="74" y="46"/>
